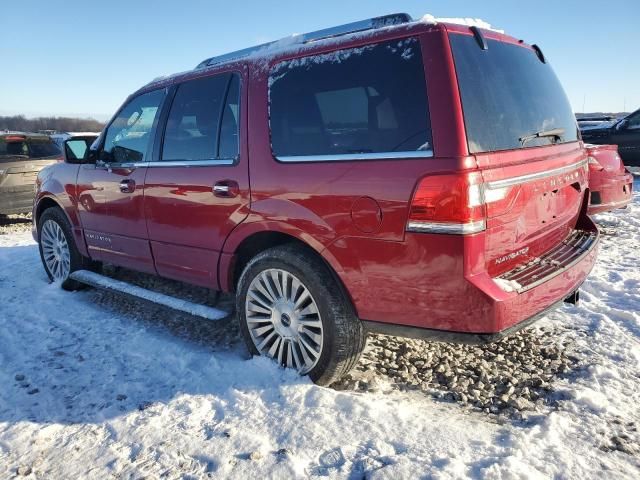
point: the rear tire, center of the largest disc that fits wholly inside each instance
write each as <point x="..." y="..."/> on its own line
<point x="58" y="251"/>
<point x="291" y="308"/>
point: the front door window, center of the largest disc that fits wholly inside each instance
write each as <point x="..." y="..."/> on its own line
<point x="129" y="137"/>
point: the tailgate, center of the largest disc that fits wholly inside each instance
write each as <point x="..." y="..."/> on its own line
<point x="533" y="199"/>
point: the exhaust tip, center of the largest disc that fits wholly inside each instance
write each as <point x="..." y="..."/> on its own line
<point x="573" y="298"/>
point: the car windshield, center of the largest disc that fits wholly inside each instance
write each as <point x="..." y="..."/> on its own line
<point x="509" y="94"/>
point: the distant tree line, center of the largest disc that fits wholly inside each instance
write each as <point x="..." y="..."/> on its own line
<point x="60" y="124"/>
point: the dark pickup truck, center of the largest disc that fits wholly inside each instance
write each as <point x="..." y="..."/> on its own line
<point x="625" y="134"/>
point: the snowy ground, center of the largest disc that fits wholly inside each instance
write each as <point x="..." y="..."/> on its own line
<point x="94" y="386"/>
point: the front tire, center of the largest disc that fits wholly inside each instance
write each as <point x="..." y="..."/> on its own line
<point x="292" y="309"/>
<point x="58" y="250"/>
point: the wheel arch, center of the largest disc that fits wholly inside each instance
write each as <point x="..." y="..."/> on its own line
<point x="43" y="204"/>
<point x="47" y="201"/>
<point x="258" y="238"/>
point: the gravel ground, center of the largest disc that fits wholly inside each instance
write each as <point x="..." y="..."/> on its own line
<point x="505" y="378"/>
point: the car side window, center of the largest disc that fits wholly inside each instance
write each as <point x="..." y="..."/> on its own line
<point x="130" y="135"/>
<point x="359" y="103"/>
<point x="230" y="125"/>
<point x="634" y="122"/>
<point x="203" y="120"/>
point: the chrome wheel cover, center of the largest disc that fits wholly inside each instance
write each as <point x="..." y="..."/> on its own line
<point x="284" y="320"/>
<point x="55" y="250"/>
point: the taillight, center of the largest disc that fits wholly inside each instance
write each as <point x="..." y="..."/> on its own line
<point x="448" y="204"/>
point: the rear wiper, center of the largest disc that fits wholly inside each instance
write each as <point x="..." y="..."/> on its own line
<point x="555" y="133"/>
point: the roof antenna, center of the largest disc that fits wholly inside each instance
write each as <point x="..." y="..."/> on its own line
<point x="479" y="37"/>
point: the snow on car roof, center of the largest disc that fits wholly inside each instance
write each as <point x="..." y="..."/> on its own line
<point x="466" y="21"/>
<point x="297" y="43"/>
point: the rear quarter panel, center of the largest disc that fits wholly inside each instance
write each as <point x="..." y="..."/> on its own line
<point x="316" y="202"/>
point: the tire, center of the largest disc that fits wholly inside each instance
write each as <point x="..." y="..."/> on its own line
<point x="70" y="259"/>
<point x="334" y="334"/>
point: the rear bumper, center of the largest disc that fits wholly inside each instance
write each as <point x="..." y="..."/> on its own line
<point x="421" y="288"/>
<point x="541" y="294"/>
<point x="16" y="199"/>
<point x="467" y="338"/>
<point x="609" y="191"/>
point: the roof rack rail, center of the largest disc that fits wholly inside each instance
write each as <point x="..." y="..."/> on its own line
<point x="360" y="26"/>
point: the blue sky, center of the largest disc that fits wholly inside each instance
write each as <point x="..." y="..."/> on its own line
<point x="83" y="58"/>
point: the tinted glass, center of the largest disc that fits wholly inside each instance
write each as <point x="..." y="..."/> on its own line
<point x="633" y="121"/>
<point x="362" y="100"/>
<point x="43" y="148"/>
<point x="32" y="148"/>
<point x="229" y="128"/>
<point x="508" y="94"/>
<point x="13" y="148"/>
<point x="194" y="119"/>
<point x="129" y="137"/>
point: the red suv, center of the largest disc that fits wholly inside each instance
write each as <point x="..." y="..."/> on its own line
<point x="405" y="177"/>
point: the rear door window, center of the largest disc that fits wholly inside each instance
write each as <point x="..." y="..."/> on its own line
<point x="367" y="102"/>
<point x="203" y="120"/>
<point x="509" y="95"/>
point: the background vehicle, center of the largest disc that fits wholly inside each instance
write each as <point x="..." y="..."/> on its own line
<point x="400" y="182"/>
<point x="22" y="156"/>
<point x="610" y="183"/>
<point x="624" y="133"/>
<point x="61" y="137"/>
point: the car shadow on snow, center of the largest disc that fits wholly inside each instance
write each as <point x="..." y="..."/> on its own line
<point x="91" y="356"/>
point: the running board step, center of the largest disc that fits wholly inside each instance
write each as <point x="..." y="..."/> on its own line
<point x="112" y="285"/>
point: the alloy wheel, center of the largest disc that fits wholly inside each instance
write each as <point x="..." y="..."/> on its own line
<point x="55" y="250"/>
<point x="283" y="319"/>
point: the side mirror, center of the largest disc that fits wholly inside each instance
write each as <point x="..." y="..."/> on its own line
<point x="76" y="150"/>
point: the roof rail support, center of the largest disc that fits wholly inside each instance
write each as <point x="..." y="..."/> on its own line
<point x="482" y="42"/>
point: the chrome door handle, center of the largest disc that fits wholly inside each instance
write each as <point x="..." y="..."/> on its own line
<point x="128" y="185"/>
<point x="226" y="189"/>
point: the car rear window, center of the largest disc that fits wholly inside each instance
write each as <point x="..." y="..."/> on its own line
<point x="351" y="103"/>
<point x="509" y="94"/>
<point x="28" y="148"/>
<point x="43" y="148"/>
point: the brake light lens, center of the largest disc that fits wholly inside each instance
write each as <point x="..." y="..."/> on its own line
<point x="452" y="204"/>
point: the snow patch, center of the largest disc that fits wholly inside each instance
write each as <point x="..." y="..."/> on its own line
<point x="507" y="285"/>
<point x="94" y="391"/>
<point x="467" y="21"/>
